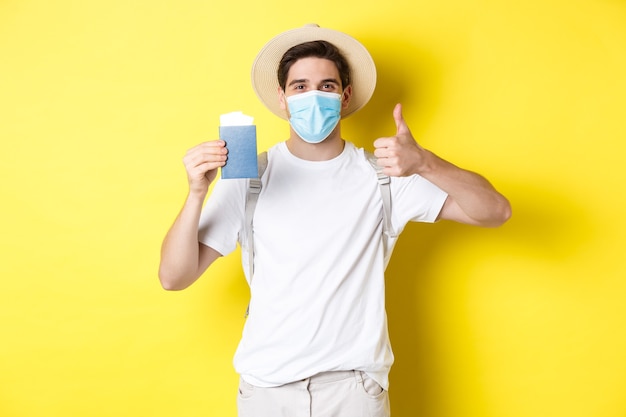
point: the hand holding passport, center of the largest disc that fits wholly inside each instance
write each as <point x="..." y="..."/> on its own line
<point x="237" y="130"/>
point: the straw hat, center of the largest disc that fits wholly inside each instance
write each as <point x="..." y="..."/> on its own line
<point x="265" y="66"/>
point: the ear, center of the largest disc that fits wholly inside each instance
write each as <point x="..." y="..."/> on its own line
<point x="282" y="99"/>
<point x="345" y="97"/>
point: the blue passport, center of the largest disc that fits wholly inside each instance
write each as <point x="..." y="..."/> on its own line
<point x="242" y="152"/>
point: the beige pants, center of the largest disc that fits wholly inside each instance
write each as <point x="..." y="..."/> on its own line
<point x="330" y="394"/>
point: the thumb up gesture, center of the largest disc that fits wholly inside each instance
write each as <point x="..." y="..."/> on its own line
<point x="399" y="155"/>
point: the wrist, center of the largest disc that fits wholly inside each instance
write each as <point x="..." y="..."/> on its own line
<point x="196" y="195"/>
<point x="426" y="162"/>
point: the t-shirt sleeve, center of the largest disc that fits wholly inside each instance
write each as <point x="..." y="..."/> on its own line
<point x="222" y="218"/>
<point x="415" y="199"/>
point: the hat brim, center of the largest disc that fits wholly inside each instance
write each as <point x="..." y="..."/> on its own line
<point x="265" y="66"/>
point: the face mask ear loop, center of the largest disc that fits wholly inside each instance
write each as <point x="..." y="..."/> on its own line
<point x="343" y="97"/>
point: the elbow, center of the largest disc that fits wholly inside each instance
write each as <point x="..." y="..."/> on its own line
<point x="170" y="282"/>
<point x="169" y="286"/>
<point x="501" y="214"/>
<point x="507" y="212"/>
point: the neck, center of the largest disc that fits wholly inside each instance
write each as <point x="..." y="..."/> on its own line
<point x="328" y="149"/>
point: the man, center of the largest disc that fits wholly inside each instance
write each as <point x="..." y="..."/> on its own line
<point x="315" y="342"/>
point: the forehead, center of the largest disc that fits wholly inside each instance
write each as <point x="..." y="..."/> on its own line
<point x="313" y="68"/>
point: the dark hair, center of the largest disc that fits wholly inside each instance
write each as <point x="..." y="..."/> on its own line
<point x="317" y="49"/>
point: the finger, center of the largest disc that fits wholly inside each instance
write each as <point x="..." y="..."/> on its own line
<point x="380" y="153"/>
<point x="205" y="167"/>
<point x="199" y="158"/>
<point x="382" y="143"/>
<point x="215" y="146"/>
<point x="401" y="126"/>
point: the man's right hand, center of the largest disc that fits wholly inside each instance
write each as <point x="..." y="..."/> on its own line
<point x="202" y="162"/>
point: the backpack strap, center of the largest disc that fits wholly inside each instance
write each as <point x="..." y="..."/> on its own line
<point x="252" y="196"/>
<point x="385" y="193"/>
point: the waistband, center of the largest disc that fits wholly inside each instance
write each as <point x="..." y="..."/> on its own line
<point x="333" y="376"/>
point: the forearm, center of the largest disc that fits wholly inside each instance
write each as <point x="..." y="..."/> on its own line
<point x="183" y="258"/>
<point x="471" y="198"/>
<point x="474" y="199"/>
<point x="180" y="252"/>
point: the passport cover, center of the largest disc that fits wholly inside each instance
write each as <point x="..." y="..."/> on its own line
<point x="242" y="153"/>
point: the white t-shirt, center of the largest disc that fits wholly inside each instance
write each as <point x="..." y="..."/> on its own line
<point x="318" y="293"/>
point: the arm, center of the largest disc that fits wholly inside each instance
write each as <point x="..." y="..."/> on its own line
<point x="183" y="258"/>
<point x="471" y="198"/>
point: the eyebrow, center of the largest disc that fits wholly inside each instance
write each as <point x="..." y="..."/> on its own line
<point x="304" y="80"/>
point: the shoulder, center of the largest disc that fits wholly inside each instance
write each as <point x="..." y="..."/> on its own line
<point x="276" y="149"/>
<point x="358" y="155"/>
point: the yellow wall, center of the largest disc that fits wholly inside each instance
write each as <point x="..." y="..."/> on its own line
<point x="99" y="100"/>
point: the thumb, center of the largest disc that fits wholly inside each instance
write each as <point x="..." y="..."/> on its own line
<point x="401" y="126"/>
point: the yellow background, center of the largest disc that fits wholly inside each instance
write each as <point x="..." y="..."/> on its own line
<point x="99" y="100"/>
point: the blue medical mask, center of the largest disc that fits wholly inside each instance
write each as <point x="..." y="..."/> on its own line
<point x="314" y="114"/>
